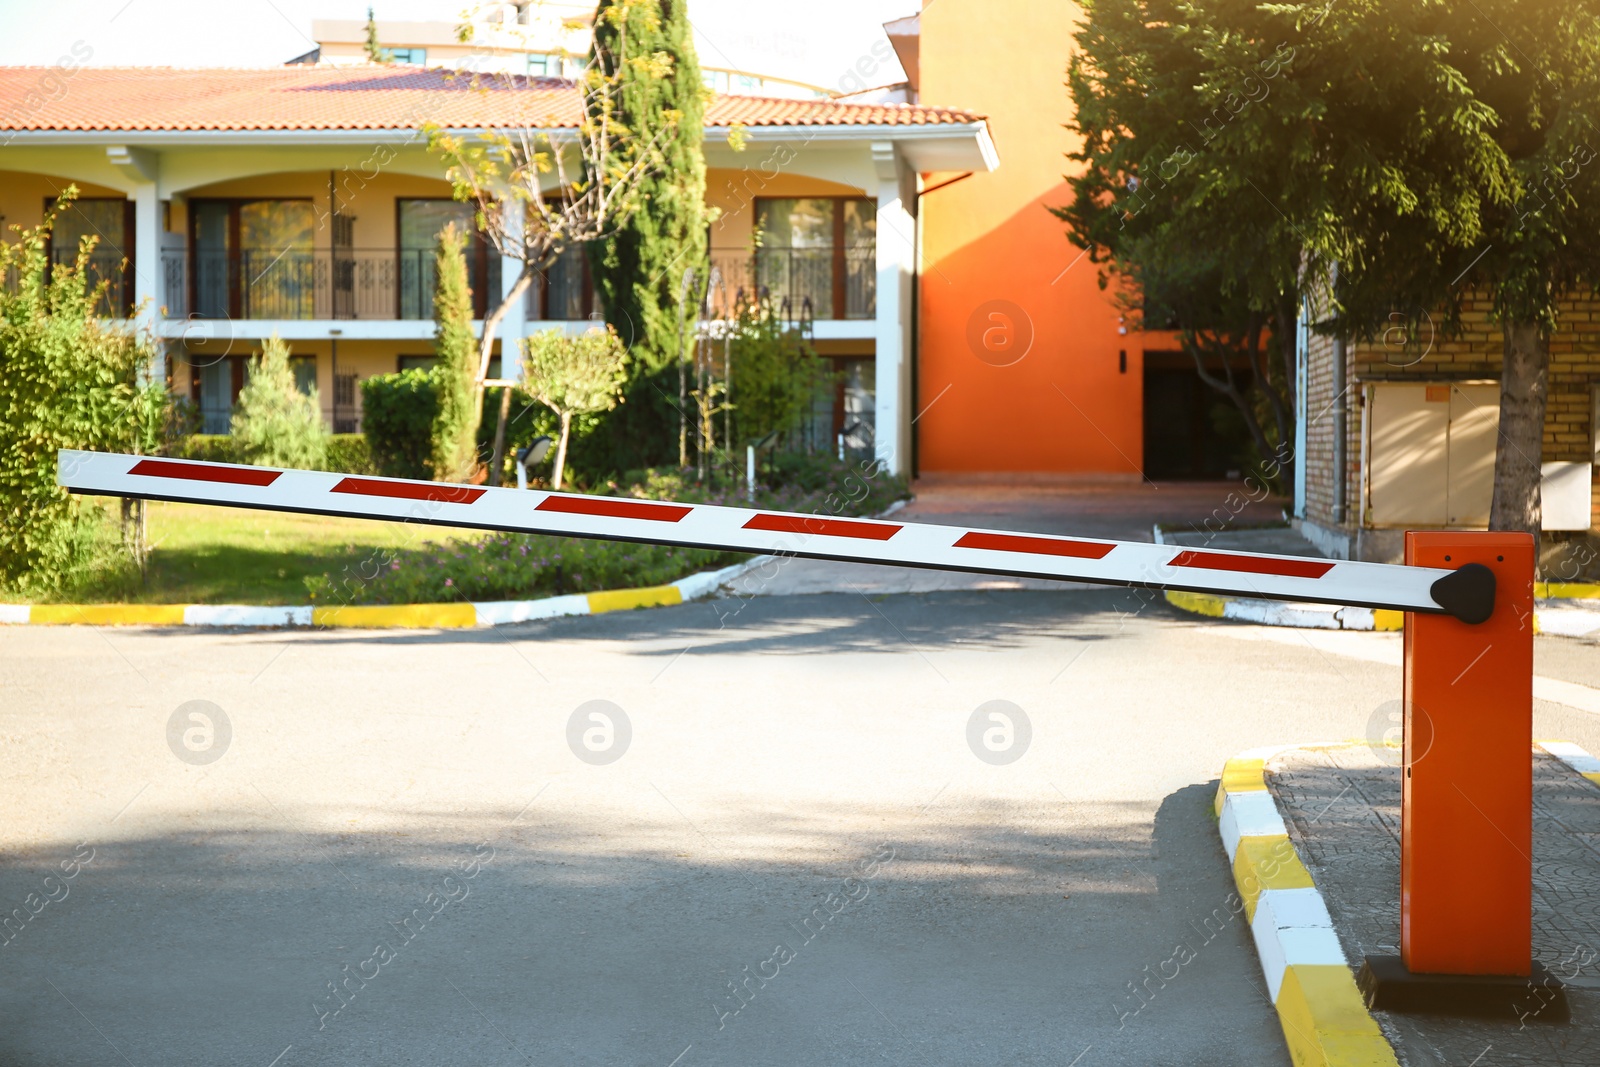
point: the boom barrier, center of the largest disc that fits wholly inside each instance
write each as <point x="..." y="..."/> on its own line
<point x="1467" y="807"/>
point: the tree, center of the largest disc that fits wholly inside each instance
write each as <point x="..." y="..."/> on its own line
<point x="376" y="53"/>
<point x="275" y="424"/>
<point x="455" y="443"/>
<point x="538" y="193"/>
<point x="574" y="376"/>
<point x="1382" y="153"/>
<point x="67" y="381"/>
<point x="1160" y="199"/>
<point x="638" y="268"/>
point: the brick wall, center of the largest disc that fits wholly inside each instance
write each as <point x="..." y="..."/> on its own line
<point x="1475" y="353"/>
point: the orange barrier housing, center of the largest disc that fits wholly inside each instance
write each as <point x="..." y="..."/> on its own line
<point x="1466" y="867"/>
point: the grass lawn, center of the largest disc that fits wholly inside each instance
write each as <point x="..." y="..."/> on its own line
<point x="209" y="555"/>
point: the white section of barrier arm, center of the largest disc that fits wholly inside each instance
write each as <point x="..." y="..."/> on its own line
<point x="746" y="530"/>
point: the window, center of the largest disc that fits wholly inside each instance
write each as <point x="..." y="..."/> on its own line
<point x="252" y="259"/>
<point x="414" y="56"/>
<point x="819" y="252"/>
<point x="305" y="373"/>
<point x="420" y="224"/>
<point x="544" y="65"/>
<point x="416" y="363"/>
<point x="109" y="221"/>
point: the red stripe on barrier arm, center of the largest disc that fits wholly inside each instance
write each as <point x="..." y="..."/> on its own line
<point x="1220" y="561"/>
<point x="612" y="508"/>
<point x="810" y="524"/>
<point x="204" y="472"/>
<point x="443" y="492"/>
<point x="1037" y="546"/>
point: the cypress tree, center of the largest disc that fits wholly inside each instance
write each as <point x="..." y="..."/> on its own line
<point x="639" y="269"/>
<point x="455" y="426"/>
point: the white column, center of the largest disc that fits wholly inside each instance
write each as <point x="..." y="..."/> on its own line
<point x="142" y="167"/>
<point x="513" y="326"/>
<point x="896" y="271"/>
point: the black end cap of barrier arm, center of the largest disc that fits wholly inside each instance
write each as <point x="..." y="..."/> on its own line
<point x="1466" y="592"/>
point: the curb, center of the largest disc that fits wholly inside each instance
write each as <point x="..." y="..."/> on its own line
<point x="461" y="615"/>
<point x="1574" y="756"/>
<point x="458" y="616"/>
<point x="1325" y="1022"/>
<point x="1565" y="620"/>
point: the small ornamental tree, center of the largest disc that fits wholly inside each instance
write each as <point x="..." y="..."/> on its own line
<point x="275" y="424"/>
<point x="455" y="441"/>
<point x="573" y="376"/>
<point x="539" y="192"/>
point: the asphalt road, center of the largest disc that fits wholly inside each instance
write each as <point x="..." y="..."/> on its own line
<point x="399" y="858"/>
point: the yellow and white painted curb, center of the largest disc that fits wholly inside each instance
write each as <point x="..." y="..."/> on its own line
<point x="460" y="615"/>
<point x="1324" y="1020"/>
<point x="1574" y="756"/>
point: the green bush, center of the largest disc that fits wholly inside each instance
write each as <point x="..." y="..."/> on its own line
<point x="398" y="412"/>
<point x="348" y="454"/>
<point x="275" y="424"/>
<point x="209" y="447"/>
<point x="66" y="382"/>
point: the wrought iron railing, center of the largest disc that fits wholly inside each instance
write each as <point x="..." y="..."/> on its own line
<point x="837" y="282"/>
<point x="834" y="283"/>
<point x="109" y="267"/>
<point x="318" y="284"/>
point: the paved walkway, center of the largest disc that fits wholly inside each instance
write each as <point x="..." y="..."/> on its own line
<point x="1114" y="510"/>
<point x="1344" y="812"/>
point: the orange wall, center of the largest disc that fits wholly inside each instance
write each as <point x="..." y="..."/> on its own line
<point x="1063" y="406"/>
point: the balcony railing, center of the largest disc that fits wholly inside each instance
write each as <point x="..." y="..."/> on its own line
<point x="110" y="267"/>
<point x="840" y="282"/>
<point x="834" y="283"/>
<point x="319" y="284"/>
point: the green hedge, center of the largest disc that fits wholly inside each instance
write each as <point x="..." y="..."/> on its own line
<point x="398" y="411"/>
<point x="347" y="452"/>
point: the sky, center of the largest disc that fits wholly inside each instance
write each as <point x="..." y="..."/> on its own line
<point x="817" y="41"/>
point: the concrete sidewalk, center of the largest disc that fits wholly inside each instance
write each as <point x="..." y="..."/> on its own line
<point x="1342" y="806"/>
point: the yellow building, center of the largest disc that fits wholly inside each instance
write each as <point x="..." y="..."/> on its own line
<point x="302" y="201"/>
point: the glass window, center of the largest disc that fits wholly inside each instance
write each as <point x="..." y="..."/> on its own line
<point x="414" y="56"/>
<point x="276" y="270"/>
<point x="421" y="222"/>
<point x="417" y="362"/>
<point x="104" y="220"/>
<point x="795" y="223"/>
<point x="305" y="373"/>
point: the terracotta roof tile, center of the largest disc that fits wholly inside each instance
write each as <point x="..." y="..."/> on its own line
<point x="358" y="98"/>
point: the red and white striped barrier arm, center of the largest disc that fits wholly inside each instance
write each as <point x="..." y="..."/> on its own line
<point x="785" y="533"/>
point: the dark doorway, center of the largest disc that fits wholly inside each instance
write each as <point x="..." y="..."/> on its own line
<point x="1190" y="430"/>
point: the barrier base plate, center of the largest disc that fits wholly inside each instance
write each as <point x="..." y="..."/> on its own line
<point x="1387" y="985"/>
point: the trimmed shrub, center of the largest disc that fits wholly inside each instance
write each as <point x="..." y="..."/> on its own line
<point x="348" y="454"/>
<point x="398" y="412"/>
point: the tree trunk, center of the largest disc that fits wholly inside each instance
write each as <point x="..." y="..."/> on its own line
<point x="497" y="458"/>
<point x="1523" y="390"/>
<point x="561" y="451"/>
